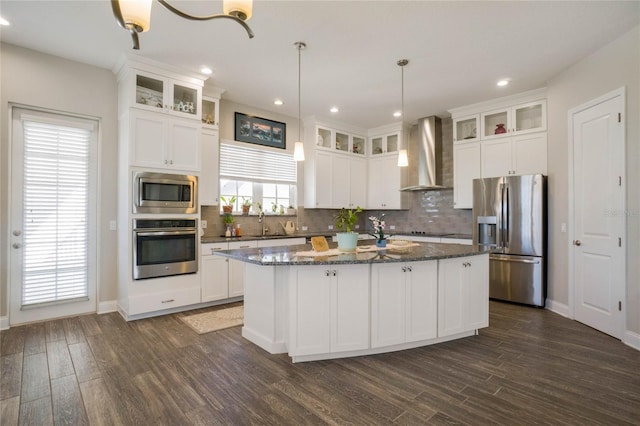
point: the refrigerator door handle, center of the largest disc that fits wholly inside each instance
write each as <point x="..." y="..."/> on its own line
<point x="508" y="259"/>
<point x="506" y="204"/>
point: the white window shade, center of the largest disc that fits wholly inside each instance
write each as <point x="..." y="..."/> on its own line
<point x="257" y="165"/>
<point x="55" y="220"/>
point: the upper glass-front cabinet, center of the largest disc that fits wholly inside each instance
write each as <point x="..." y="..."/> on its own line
<point x="339" y="141"/>
<point x="525" y="118"/>
<point x="465" y="129"/>
<point x="158" y="93"/>
<point x="210" y="112"/>
<point x="385" y="144"/>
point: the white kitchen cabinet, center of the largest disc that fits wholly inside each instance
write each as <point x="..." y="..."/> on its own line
<point x="466" y="168"/>
<point x="331" y="309"/>
<point x="463" y="294"/>
<point x="357" y="182"/>
<point x="385" y="144"/>
<point x="339" y="181"/>
<point x="517" y="155"/>
<point x="236" y="268"/>
<point x="160" y="142"/>
<point x="385" y="181"/>
<point x="163" y="92"/>
<point x="516" y="120"/>
<point x="278" y="242"/>
<point x="465" y="129"/>
<point x="404" y="302"/>
<point x="209" y="182"/>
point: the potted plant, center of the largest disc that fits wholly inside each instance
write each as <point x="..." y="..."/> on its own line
<point x="246" y="205"/>
<point x="227" y="219"/>
<point x="346" y="219"/>
<point x="227" y="207"/>
<point x="378" y="224"/>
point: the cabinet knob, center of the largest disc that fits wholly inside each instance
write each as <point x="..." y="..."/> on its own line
<point x="404" y="269"/>
<point x="334" y="272"/>
<point x="409" y="268"/>
<point x="327" y="273"/>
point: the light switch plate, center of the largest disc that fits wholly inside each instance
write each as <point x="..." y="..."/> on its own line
<point x="203" y="224"/>
<point x="357" y="226"/>
<point x="392" y="227"/>
<point x="304" y="228"/>
<point x="113" y="225"/>
<point x="563" y="227"/>
<point x="330" y="227"/>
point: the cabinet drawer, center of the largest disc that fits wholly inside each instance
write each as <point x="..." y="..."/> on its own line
<point x="163" y="300"/>
<point x="282" y="242"/>
<point x="242" y="244"/>
<point x="208" y="249"/>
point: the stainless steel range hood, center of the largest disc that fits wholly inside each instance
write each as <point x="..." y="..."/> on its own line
<point x="424" y="150"/>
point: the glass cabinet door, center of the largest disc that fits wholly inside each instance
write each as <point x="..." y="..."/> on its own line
<point x="376" y="146"/>
<point x="342" y="142"/>
<point x="323" y="138"/>
<point x="465" y="129"/>
<point x="495" y="123"/>
<point x="150" y="91"/>
<point x="530" y="117"/>
<point x="358" y="145"/>
<point x="392" y="143"/>
<point x="209" y="112"/>
<point x="185" y="99"/>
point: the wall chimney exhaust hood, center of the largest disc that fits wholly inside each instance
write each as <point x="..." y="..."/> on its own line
<point x="425" y="156"/>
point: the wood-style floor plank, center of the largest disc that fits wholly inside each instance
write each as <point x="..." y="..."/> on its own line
<point x="9" y="411"/>
<point x="530" y="366"/>
<point x="68" y="408"/>
<point x="35" y="378"/>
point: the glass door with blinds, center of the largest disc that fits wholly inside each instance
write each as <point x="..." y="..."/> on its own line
<point x="53" y="216"/>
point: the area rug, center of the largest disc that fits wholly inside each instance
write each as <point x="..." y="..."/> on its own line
<point x="215" y="320"/>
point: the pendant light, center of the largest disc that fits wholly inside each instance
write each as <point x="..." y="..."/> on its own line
<point x="135" y="15"/>
<point x="403" y="158"/>
<point x="298" y="148"/>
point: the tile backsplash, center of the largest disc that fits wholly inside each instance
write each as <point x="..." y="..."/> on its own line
<point x="430" y="211"/>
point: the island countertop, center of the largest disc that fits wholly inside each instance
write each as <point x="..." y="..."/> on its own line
<point x="366" y="253"/>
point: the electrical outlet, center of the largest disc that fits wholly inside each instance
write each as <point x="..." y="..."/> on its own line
<point x="563" y="227"/>
<point x="357" y="226"/>
<point x="113" y="225"/>
<point x="330" y="227"/>
<point x="392" y="227"/>
<point x="203" y="224"/>
<point x="304" y="228"/>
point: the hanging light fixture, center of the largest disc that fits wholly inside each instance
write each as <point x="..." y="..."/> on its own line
<point x="403" y="158"/>
<point x="298" y="147"/>
<point x="135" y="15"/>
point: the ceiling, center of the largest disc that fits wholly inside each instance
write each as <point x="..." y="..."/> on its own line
<point x="456" y="50"/>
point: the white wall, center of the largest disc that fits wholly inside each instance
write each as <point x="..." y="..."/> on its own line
<point x="615" y="65"/>
<point x="35" y="79"/>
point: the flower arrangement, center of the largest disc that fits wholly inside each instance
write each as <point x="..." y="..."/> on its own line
<point x="378" y="224"/>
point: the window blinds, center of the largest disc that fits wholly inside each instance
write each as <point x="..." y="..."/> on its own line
<point x="257" y="165"/>
<point x="55" y="218"/>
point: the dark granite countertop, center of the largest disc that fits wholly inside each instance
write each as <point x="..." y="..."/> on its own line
<point x="328" y="234"/>
<point x="287" y="255"/>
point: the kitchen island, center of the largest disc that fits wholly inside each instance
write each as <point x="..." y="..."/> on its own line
<point x="314" y="306"/>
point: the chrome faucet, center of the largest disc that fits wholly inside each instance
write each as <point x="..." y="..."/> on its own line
<point x="262" y="220"/>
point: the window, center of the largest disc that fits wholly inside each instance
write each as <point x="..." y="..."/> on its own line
<point x="58" y="172"/>
<point x="264" y="176"/>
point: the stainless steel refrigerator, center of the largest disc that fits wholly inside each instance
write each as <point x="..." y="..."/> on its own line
<point x="510" y="217"/>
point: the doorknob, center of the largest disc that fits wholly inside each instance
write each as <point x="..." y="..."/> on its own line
<point x="577" y="242"/>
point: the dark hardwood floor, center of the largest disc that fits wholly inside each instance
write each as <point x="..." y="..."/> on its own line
<point x="530" y="366"/>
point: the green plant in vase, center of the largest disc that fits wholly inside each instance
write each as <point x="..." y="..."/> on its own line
<point x="228" y="220"/>
<point x="246" y="205"/>
<point x="229" y="202"/>
<point x="346" y="220"/>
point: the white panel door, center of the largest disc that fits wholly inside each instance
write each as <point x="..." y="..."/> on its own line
<point x="598" y="204"/>
<point x="350" y="308"/>
<point x="388" y="304"/>
<point x="466" y="168"/>
<point x="324" y="180"/>
<point x="358" y="182"/>
<point x="530" y="154"/>
<point x="476" y="302"/>
<point x="421" y="300"/>
<point x="451" y="294"/>
<point x="340" y="185"/>
<point x="496" y="157"/>
<point x="215" y="278"/>
<point x="310" y="311"/>
<point x="184" y="142"/>
<point x="148" y="147"/>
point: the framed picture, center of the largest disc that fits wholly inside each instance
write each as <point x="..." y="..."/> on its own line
<point x="260" y="131"/>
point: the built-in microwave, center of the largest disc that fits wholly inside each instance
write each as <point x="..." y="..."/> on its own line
<point x="164" y="193"/>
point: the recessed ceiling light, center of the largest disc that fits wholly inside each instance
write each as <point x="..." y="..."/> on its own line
<point x="4" y="21"/>
<point x="397" y="114"/>
<point x="206" y="70"/>
<point x="334" y="109"/>
<point x="278" y="102"/>
<point x="502" y="83"/>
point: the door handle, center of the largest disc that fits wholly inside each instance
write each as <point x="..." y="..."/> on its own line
<point x="577" y="242"/>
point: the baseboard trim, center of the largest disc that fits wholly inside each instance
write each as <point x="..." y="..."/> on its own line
<point x="558" y="308"/>
<point x="632" y="339"/>
<point x="107" y="307"/>
<point x="4" y="323"/>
